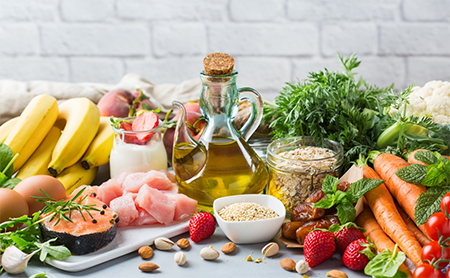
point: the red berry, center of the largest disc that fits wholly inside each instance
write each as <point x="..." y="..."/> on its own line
<point x="345" y="236"/>
<point x="319" y="246"/>
<point x="358" y="254"/>
<point x="128" y="138"/>
<point x="202" y="225"/>
<point x="145" y="121"/>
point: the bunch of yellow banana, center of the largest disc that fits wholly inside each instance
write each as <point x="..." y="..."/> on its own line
<point x="69" y="141"/>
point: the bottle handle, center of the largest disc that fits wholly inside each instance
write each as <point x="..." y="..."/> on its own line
<point x="250" y="94"/>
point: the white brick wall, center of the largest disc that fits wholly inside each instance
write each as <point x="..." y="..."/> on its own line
<point x="273" y="41"/>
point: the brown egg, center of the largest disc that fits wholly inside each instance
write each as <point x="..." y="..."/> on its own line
<point x="31" y="187"/>
<point x="12" y="204"/>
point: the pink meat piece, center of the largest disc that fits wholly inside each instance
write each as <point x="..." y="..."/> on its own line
<point x="121" y="177"/>
<point x="184" y="206"/>
<point x="108" y="191"/>
<point x="144" y="218"/>
<point x="155" y="179"/>
<point x="125" y="208"/>
<point x="156" y="203"/>
<point x="170" y="176"/>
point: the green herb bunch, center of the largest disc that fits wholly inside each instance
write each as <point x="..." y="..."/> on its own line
<point x="333" y="105"/>
<point x="435" y="176"/>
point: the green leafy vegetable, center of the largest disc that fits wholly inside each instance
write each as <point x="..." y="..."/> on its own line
<point x="414" y="173"/>
<point x="334" y="105"/>
<point x="344" y="201"/>
<point x="385" y="264"/>
<point x="429" y="203"/>
<point x="38" y="275"/>
<point x="426" y="157"/>
<point x="58" y="252"/>
<point x="437" y="174"/>
<point x="7" y="158"/>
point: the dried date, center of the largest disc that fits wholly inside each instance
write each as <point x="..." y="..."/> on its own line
<point x="322" y="223"/>
<point x="306" y="211"/>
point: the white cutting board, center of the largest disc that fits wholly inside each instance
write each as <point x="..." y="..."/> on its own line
<point x="127" y="240"/>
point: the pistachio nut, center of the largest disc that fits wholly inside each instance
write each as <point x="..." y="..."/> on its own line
<point x="163" y="243"/>
<point x="271" y="249"/>
<point x="209" y="253"/>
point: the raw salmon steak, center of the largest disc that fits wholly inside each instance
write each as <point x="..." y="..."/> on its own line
<point x="85" y="234"/>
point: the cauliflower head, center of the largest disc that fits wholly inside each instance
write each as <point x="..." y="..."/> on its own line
<point x="433" y="99"/>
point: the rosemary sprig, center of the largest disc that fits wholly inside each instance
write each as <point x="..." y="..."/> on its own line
<point x="63" y="209"/>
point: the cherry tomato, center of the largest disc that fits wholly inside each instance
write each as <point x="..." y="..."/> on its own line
<point x="427" y="271"/>
<point x="433" y="250"/>
<point x="438" y="221"/>
<point x="445" y="203"/>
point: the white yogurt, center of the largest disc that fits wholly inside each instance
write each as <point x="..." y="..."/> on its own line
<point x="137" y="158"/>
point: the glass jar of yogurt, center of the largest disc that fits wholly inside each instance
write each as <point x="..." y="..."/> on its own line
<point x="131" y="153"/>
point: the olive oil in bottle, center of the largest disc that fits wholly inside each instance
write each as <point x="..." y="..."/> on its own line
<point x="221" y="168"/>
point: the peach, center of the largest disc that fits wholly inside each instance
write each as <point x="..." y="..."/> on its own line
<point x="115" y="103"/>
<point x="147" y="101"/>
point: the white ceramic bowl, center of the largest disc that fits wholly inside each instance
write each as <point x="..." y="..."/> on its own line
<point x="245" y="232"/>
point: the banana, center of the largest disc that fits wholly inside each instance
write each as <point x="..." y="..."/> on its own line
<point x="38" y="162"/>
<point x="82" y="119"/>
<point x="33" y="125"/>
<point x="76" y="176"/>
<point x="6" y="128"/>
<point x="98" y="152"/>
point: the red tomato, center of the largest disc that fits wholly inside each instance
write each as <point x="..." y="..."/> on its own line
<point x="438" y="221"/>
<point x="445" y="203"/>
<point x="427" y="271"/>
<point x="433" y="250"/>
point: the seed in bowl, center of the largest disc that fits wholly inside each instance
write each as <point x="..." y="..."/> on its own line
<point x="246" y="211"/>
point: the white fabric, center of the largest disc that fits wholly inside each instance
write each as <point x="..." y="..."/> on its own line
<point x="15" y="95"/>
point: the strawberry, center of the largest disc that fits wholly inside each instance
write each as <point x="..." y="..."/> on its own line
<point x="202" y="225"/>
<point x="128" y="138"/>
<point x="345" y="234"/>
<point x="319" y="246"/>
<point x="146" y="121"/>
<point x="358" y="254"/>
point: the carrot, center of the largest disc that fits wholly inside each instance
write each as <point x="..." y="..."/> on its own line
<point x="423" y="239"/>
<point x="412" y="160"/>
<point x="385" y="211"/>
<point x="367" y="221"/>
<point x="404" y="192"/>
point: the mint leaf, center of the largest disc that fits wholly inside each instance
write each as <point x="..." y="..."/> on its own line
<point x="346" y="211"/>
<point x="385" y="264"/>
<point x="414" y="173"/>
<point x="436" y="174"/>
<point x="324" y="203"/>
<point x="429" y="203"/>
<point x="361" y="187"/>
<point x="426" y="157"/>
<point x="329" y="185"/>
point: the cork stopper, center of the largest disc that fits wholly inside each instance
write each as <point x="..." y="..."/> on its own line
<point x="218" y="64"/>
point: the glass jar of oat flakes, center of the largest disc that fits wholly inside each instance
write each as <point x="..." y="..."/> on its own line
<point x="298" y="166"/>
